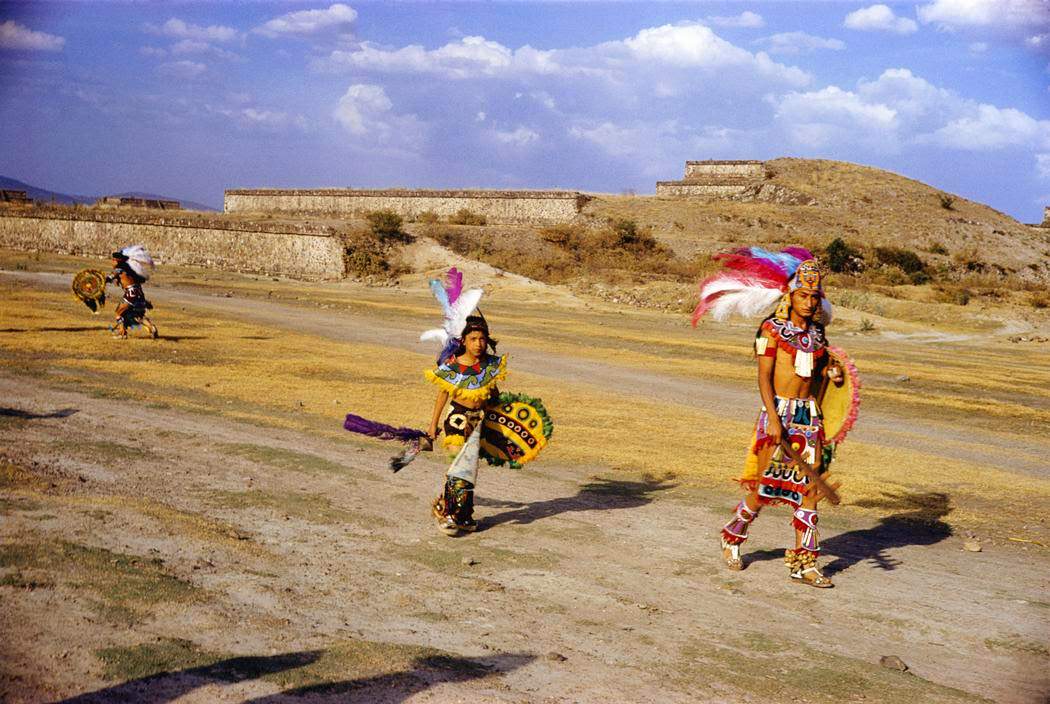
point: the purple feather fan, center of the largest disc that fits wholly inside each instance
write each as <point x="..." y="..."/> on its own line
<point x="410" y="436"/>
<point x="455" y="284"/>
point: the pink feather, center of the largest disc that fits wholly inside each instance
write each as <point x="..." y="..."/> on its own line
<point x="455" y="284"/>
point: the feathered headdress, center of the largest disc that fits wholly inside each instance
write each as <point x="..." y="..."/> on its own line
<point x="456" y="305"/>
<point x="754" y="279"/>
<point x="138" y="259"/>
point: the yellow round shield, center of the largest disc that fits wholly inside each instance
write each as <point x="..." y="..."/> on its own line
<point x="839" y="404"/>
<point x="89" y="286"/>
<point x="516" y="428"/>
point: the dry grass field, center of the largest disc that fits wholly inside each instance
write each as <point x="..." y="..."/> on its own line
<point x="185" y="518"/>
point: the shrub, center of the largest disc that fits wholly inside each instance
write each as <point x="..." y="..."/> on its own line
<point x="385" y="223"/>
<point x="938" y="248"/>
<point x="904" y="259"/>
<point x="428" y="217"/>
<point x="1039" y="299"/>
<point x="866" y="325"/>
<point x="947" y="201"/>
<point x="842" y="258"/>
<point x="467" y="217"/>
<point x="627" y="235"/>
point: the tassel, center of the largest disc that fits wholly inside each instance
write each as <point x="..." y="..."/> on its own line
<point x="804" y="363"/>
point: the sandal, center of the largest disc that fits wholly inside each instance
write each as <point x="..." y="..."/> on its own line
<point x="732" y="560"/>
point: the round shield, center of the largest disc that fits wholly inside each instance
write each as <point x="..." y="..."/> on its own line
<point x="840" y="403"/>
<point x="89" y="286"/>
<point x="515" y="429"/>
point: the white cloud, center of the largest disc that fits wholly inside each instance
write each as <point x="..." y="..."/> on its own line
<point x="879" y="18"/>
<point x="195" y="46"/>
<point x="977" y="48"/>
<point x="821" y="117"/>
<point x="480" y="117"/>
<point x="337" y="18"/>
<point x="272" y="119"/>
<point x="899" y="109"/>
<point x="520" y="137"/>
<point x="744" y="19"/>
<point x="179" y="29"/>
<point x="367" y="114"/>
<point x="791" y="43"/>
<point x="1042" y="166"/>
<point x="361" y="107"/>
<point x="953" y="14"/>
<point x="989" y="128"/>
<point x="19" y="37"/>
<point x="153" y="51"/>
<point x="182" y="69"/>
<point x="680" y="46"/>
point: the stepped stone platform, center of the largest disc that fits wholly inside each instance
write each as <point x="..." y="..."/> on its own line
<point x="715" y="178"/>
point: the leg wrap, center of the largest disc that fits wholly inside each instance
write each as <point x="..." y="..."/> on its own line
<point x="735" y="532"/>
<point x="457" y="500"/>
<point x="806" y="521"/>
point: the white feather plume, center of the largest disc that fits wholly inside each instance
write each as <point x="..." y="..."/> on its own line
<point x="744" y="300"/>
<point x="139" y="260"/>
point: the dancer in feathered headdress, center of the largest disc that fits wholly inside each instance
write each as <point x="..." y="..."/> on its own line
<point x="132" y="267"/>
<point x="481" y="422"/>
<point x="788" y="458"/>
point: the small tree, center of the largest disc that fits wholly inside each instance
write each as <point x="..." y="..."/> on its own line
<point x="947" y="201"/>
<point x="842" y="258"/>
<point x="385" y="224"/>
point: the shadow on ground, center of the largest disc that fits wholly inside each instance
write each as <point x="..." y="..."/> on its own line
<point x="29" y="415"/>
<point x="169" y="686"/>
<point x="399" y="686"/>
<point x="597" y="495"/>
<point x="424" y="673"/>
<point x="918" y="521"/>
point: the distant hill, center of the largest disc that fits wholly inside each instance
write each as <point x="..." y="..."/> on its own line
<point x="47" y="196"/>
<point x="42" y="193"/>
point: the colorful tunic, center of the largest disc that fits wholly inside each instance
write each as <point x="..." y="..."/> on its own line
<point x="466" y="385"/>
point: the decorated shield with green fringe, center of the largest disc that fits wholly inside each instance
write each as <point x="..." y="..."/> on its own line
<point x="515" y="429"/>
<point x="89" y="286"/>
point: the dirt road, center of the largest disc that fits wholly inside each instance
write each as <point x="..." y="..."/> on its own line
<point x="150" y="554"/>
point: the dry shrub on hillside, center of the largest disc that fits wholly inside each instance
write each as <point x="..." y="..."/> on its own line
<point x="367" y="255"/>
<point x="561" y="253"/>
<point x="467" y="217"/>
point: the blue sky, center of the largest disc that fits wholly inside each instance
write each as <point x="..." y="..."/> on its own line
<point x="187" y="99"/>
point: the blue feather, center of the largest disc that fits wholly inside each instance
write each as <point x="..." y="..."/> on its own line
<point x="787" y="263"/>
<point x="442" y="297"/>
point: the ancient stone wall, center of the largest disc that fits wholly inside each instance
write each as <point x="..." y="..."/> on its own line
<point x="289" y="251"/>
<point x="752" y="170"/>
<point x="498" y="207"/>
<point x="1046" y="216"/>
<point x="703" y="190"/>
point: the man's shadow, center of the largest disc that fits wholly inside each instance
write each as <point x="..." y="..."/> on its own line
<point x="29" y="415"/>
<point x="596" y="495"/>
<point x="918" y="521"/>
<point x="425" y="672"/>
<point x="394" y="687"/>
<point x="169" y="686"/>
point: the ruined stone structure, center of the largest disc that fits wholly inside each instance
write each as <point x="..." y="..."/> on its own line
<point x="502" y="207"/>
<point x="1046" y="216"/>
<point x="297" y="251"/>
<point x="715" y="179"/>
<point x="15" y="197"/>
<point x="132" y="202"/>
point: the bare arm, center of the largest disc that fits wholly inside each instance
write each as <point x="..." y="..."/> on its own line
<point x="766" y="368"/>
<point x="439" y="406"/>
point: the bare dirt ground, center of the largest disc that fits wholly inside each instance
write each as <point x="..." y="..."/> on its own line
<point x="153" y="553"/>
